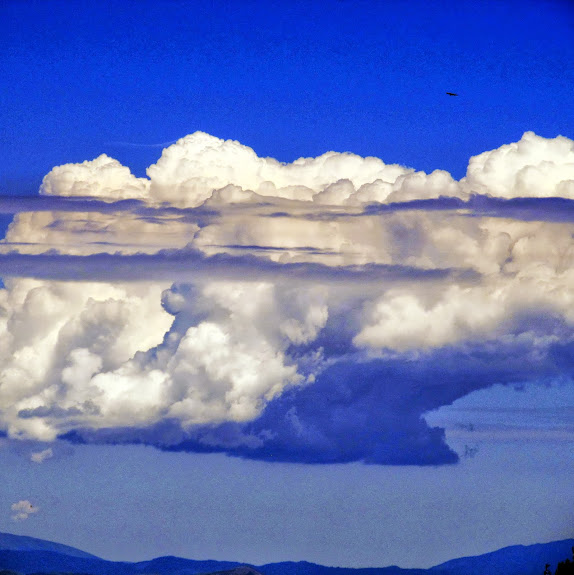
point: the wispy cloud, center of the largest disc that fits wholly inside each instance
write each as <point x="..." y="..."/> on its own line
<point x="41" y="456"/>
<point x="139" y="145"/>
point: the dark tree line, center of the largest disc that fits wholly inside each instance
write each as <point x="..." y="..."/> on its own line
<point x="565" y="567"/>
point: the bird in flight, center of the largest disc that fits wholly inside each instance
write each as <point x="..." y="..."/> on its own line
<point x="452" y="94"/>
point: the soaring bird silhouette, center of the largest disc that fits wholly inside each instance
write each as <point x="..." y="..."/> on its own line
<point x="452" y="94"/>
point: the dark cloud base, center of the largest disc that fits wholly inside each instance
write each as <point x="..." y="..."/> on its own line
<point x="369" y="411"/>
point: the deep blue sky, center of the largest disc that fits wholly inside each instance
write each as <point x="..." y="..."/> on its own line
<point x="289" y="79"/>
<point x="295" y="79"/>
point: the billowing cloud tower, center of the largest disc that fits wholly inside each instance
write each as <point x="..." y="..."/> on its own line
<point x="311" y="311"/>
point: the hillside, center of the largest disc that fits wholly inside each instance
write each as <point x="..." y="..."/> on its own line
<point x="10" y="542"/>
<point x="27" y="556"/>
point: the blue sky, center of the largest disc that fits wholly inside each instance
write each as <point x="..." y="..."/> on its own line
<point x="351" y="355"/>
<point x="289" y="79"/>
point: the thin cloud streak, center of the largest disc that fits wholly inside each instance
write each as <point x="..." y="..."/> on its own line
<point x="136" y="145"/>
<point x="550" y="209"/>
<point x="173" y="265"/>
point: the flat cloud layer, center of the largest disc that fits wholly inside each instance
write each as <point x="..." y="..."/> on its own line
<point x="310" y="312"/>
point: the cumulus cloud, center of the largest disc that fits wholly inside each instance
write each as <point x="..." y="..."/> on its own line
<point x="23" y="509"/>
<point x="102" y="178"/>
<point x="310" y="311"/>
<point x="190" y="170"/>
<point x="532" y="167"/>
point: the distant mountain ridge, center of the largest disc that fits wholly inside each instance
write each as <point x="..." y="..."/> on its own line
<point x="243" y="570"/>
<point x="27" y="555"/>
<point x="11" y="542"/>
<point x="516" y="559"/>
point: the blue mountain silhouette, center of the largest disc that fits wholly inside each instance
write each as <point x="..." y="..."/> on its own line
<point x="27" y="555"/>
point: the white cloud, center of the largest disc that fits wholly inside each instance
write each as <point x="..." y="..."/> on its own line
<point x="103" y="178"/>
<point x="532" y="167"/>
<point x="191" y="169"/>
<point x="23" y="509"/>
<point x="89" y="354"/>
<point x="41" y="456"/>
